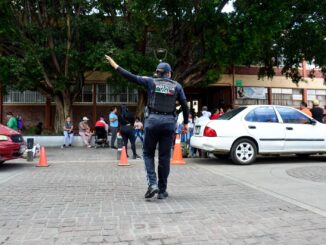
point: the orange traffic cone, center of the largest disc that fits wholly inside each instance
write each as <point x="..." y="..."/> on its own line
<point x="123" y="158"/>
<point x="42" y="162"/>
<point x="177" y="153"/>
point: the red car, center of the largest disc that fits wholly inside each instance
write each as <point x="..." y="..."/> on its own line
<point x="12" y="144"/>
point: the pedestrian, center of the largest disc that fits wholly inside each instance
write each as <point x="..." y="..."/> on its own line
<point x="68" y="132"/>
<point x="316" y="111"/>
<point x="127" y="121"/>
<point x="114" y="126"/>
<point x="12" y="121"/>
<point x="139" y="127"/>
<point x="20" y="123"/>
<point x="216" y="114"/>
<point x="162" y="93"/>
<point x="304" y="109"/>
<point x="221" y="111"/>
<point x="205" y="113"/>
<point x="85" y="132"/>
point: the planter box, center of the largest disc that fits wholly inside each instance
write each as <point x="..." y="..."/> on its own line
<point x="57" y="141"/>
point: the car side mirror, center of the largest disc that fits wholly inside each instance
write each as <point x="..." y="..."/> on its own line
<point x="313" y="121"/>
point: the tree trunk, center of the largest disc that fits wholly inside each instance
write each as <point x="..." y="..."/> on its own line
<point x="63" y="104"/>
<point x="141" y="104"/>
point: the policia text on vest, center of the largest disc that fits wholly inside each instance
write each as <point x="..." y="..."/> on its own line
<point x="162" y="93"/>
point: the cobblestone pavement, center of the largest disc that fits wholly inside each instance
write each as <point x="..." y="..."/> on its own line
<point x="83" y="197"/>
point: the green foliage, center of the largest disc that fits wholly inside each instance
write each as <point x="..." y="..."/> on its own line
<point x="201" y="41"/>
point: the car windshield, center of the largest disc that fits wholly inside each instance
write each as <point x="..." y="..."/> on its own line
<point x="230" y="114"/>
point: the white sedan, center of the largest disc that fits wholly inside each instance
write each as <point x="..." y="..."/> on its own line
<point x="246" y="131"/>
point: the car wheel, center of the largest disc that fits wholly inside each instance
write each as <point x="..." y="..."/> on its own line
<point x="222" y="156"/>
<point x="244" y="151"/>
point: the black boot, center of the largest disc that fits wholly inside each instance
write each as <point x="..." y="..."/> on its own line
<point x="151" y="191"/>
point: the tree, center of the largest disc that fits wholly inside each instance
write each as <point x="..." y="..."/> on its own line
<point x="47" y="46"/>
<point x="203" y="41"/>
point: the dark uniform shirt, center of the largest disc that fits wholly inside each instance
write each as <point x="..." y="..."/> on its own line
<point x="148" y="83"/>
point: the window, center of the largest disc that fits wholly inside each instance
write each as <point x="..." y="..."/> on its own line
<point x="15" y="96"/>
<point x="86" y="94"/>
<point x="230" y="114"/>
<point x="262" y="114"/>
<point x="108" y="94"/>
<point x="319" y="94"/>
<point x="290" y="115"/>
<point x="287" y="96"/>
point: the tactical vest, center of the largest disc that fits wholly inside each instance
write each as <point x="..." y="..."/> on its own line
<point x="164" y="96"/>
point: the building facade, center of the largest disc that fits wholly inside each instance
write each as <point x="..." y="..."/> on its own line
<point x="239" y="87"/>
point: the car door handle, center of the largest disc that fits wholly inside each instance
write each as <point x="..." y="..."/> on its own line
<point x="289" y="128"/>
<point x="252" y="127"/>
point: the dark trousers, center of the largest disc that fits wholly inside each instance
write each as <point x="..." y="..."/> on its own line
<point x="127" y="133"/>
<point x="114" y="131"/>
<point x="159" y="129"/>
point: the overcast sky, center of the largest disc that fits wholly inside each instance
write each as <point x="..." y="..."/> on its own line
<point x="228" y="7"/>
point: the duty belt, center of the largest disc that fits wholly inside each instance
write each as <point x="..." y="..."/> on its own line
<point x="160" y="113"/>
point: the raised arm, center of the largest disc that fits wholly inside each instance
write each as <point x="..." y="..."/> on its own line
<point x="128" y="75"/>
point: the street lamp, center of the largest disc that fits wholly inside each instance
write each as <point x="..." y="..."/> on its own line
<point x="160" y="54"/>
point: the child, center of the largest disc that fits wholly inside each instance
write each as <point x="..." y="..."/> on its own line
<point x="138" y="129"/>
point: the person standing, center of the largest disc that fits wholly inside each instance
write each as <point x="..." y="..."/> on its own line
<point x="127" y="121"/>
<point x="162" y="94"/>
<point x="68" y="132"/>
<point x="138" y="125"/>
<point x="316" y="111"/>
<point x="114" y="125"/>
<point x="12" y="121"/>
<point x="216" y="114"/>
<point x="304" y="109"/>
<point x="205" y="113"/>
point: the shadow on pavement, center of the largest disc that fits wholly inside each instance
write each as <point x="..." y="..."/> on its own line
<point x="16" y="165"/>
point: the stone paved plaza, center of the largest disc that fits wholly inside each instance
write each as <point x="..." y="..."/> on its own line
<point x="84" y="197"/>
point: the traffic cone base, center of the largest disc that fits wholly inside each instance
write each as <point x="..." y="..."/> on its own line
<point x="42" y="161"/>
<point x="123" y="159"/>
<point x="177" y="153"/>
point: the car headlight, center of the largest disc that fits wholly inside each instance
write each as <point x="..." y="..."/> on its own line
<point x="3" y="137"/>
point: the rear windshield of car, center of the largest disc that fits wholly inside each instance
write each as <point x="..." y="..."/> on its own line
<point x="230" y="114"/>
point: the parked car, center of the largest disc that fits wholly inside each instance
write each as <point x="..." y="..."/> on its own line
<point x="244" y="132"/>
<point x="12" y="144"/>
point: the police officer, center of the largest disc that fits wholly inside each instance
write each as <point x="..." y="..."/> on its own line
<point x="162" y="94"/>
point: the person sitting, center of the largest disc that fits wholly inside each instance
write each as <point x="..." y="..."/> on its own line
<point x="101" y="123"/>
<point x="101" y="133"/>
<point x="68" y="132"/>
<point x="85" y="132"/>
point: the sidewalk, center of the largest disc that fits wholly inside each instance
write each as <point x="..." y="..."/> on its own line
<point x="84" y="197"/>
